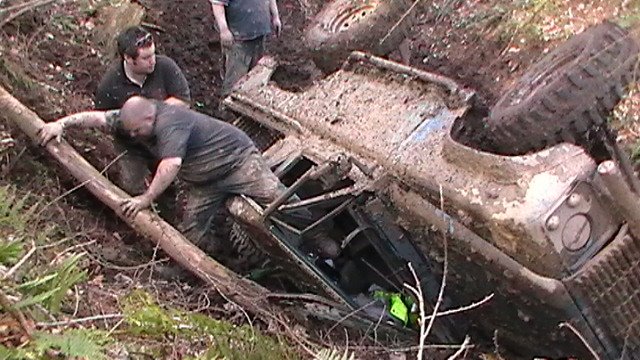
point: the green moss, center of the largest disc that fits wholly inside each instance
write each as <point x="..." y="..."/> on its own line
<point x="223" y="339"/>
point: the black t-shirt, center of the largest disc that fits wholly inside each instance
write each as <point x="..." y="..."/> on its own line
<point x="209" y="148"/>
<point x="247" y="19"/>
<point x="167" y="80"/>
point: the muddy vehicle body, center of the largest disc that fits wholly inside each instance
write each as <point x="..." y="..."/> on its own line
<point x="373" y="151"/>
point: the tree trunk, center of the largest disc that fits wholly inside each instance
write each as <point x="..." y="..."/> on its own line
<point x="251" y="296"/>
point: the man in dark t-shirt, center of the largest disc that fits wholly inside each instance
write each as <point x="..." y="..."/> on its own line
<point x="243" y="26"/>
<point x="138" y="71"/>
<point x="214" y="159"/>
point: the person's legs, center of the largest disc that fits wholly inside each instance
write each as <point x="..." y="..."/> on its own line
<point x="239" y="58"/>
<point x="255" y="179"/>
<point x="201" y="207"/>
<point x="256" y="49"/>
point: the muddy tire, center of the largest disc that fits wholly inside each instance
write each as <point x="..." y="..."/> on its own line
<point x="346" y="25"/>
<point x="251" y="256"/>
<point x="565" y="97"/>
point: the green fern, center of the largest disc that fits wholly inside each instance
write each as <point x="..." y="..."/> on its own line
<point x="15" y="354"/>
<point x="12" y="209"/>
<point x="333" y="354"/>
<point x="10" y="252"/>
<point x="74" y="343"/>
<point x="50" y="290"/>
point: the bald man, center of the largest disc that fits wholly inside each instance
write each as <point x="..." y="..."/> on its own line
<point x="215" y="160"/>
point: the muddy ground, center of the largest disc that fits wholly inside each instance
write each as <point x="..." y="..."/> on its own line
<point x="483" y="44"/>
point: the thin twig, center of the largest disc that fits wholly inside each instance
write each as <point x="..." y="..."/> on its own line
<point x="45" y="312"/>
<point x="22" y="261"/>
<point x="19" y="6"/>
<point x="387" y="349"/>
<point x="444" y="270"/>
<point x="151" y="26"/>
<point x="579" y="335"/>
<point x="11" y="17"/>
<point x="16" y="313"/>
<point x="80" y="320"/>
<point x="417" y="291"/>
<point x="63" y="195"/>
<point x="77" y="307"/>
<point x="244" y="312"/>
<point x="71" y="248"/>
<point x="68" y="192"/>
<point x="302" y="297"/>
<point x="375" y="328"/>
<point x="12" y="163"/>
<point x="153" y="259"/>
<point x="463" y="308"/>
<point x="350" y="314"/>
<point x="59" y="242"/>
<point x="115" y="327"/>
<point x="463" y="347"/>
<point x="404" y="16"/>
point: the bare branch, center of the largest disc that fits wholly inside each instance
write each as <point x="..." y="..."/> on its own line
<point x="579" y="335"/>
<point x="16" y="313"/>
<point x="462" y="349"/>
<point x="464" y="308"/>
<point x="24" y="9"/>
<point x="80" y="320"/>
<point x="22" y="261"/>
<point x="404" y="16"/>
<point x="444" y="270"/>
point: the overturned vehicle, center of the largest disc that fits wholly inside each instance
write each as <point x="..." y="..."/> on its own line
<point x="532" y="203"/>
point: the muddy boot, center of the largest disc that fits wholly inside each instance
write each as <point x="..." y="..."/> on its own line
<point x="322" y="245"/>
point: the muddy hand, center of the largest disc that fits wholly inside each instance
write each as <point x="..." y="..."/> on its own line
<point x="50" y="131"/>
<point x="132" y="206"/>
<point x="226" y="38"/>
<point x="277" y="26"/>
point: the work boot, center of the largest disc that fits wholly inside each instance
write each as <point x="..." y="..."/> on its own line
<point x="322" y="245"/>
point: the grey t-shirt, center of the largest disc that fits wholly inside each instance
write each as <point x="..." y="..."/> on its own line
<point x="247" y="19"/>
<point x="209" y="148"/>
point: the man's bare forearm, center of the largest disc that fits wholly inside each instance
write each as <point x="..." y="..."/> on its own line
<point x="86" y="119"/>
<point x="164" y="176"/>
<point x="273" y="8"/>
<point x="220" y="16"/>
<point x="176" y="101"/>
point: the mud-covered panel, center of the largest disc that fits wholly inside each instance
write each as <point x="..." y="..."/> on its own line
<point x="370" y="107"/>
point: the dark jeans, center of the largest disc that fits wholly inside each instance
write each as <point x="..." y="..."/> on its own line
<point x="239" y="58"/>
<point x="253" y="178"/>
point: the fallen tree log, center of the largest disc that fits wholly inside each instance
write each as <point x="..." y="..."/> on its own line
<point x="249" y="295"/>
